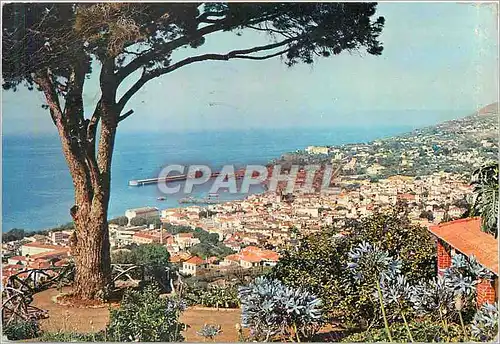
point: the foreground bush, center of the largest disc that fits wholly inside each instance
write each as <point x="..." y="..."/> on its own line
<point x="73" y="337"/>
<point x="146" y="317"/>
<point x="319" y="263"/>
<point x="19" y="330"/>
<point x="272" y="310"/>
<point x="219" y="297"/>
<point x="425" y="331"/>
<point x="143" y="316"/>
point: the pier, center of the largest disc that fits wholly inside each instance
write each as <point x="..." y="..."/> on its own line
<point x="180" y="177"/>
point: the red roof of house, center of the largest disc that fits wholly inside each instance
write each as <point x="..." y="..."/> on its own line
<point x="18" y="258"/>
<point x="252" y="258"/>
<point x="406" y="196"/>
<point x="60" y="252"/>
<point x="466" y="236"/>
<point x="145" y="235"/>
<point x="195" y="260"/>
<point x="234" y="257"/>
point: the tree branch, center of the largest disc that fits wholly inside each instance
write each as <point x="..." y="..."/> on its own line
<point x="46" y="85"/>
<point x="125" y="115"/>
<point x="267" y="29"/>
<point x="265" y="57"/>
<point x="140" y="61"/>
<point x="94" y="120"/>
<point x="220" y="25"/>
<point x="72" y="152"/>
<point x="235" y="54"/>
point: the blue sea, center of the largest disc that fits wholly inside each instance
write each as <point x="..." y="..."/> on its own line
<point x="37" y="191"/>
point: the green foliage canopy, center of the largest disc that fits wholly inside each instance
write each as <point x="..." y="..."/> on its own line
<point x="320" y="260"/>
<point x="143" y="35"/>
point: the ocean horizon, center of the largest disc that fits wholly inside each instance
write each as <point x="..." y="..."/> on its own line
<point x="38" y="191"/>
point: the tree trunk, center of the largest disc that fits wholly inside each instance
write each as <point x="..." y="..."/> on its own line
<point x="91" y="246"/>
<point x="90" y="172"/>
<point x="91" y="252"/>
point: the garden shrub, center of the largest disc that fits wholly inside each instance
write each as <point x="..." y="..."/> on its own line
<point x="73" y="337"/>
<point x="20" y="329"/>
<point x="319" y="262"/>
<point x="146" y="317"/>
<point x="209" y="331"/>
<point x="219" y="297"/>
<point x="422" y="331"/>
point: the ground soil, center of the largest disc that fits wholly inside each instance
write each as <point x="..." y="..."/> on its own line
<point x="76" y="319"/>
<point x="67" y="318"/>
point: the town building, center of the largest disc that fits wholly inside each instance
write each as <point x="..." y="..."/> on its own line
<point x="194" y="266"/>
<point x="186" y="240"/>
<point x="60" y="237"/>
<point x="150" y="237"/>
<point x="317" y="150"/>
<point x="466" y="237"/>
<point x="141" y="212"/>
<point x="252" y="256"/>
<point x="34" y="248"/>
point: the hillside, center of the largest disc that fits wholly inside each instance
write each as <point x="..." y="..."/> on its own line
<point x="488" y="109"/>
<point x="457" y="146"/>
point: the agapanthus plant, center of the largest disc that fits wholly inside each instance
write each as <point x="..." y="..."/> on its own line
<point x="269" y="308"/>
<point x="368" y="264"/>
<point x="209" y="331"/>
<point x="464" y="274"/>
<point x="397" y="291"/>
<point x="434" y="297"/>
<point x="484" y="326"/>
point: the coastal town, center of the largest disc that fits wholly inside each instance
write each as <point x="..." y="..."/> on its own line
<point x="253" y="231"/>
<point x="250" y="172"/>
<point x="457" y="146"/>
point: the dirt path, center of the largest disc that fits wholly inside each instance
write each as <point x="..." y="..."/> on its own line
<point x="70" y="319"/>
<point x="197" y="317"/>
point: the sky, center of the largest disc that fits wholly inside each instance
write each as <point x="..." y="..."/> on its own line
<point x="440" y="61"/>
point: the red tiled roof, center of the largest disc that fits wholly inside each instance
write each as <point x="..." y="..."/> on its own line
<point x="18" y="258"/>
<point x="252" y="258"/>
<point x="185" y="235"/>
<point x="175" y="258"/>
<point x="466" y="236"/>
<point x="39" y="264"/>
<point x="406" y="196"/>
<point x="144" y="235"/>
<point x="195" y="260"/>
<point x="62" y="262"/>
<point x="61" y="251"/>
<point x="270" y="255"/>
<point x="233" y="257"/>
<point x="12" y="267"/>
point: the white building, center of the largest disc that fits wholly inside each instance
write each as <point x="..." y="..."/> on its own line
<point x="33" y="248"/>
<point x="141" y="212"/>
<point x="317" y="150"/>
<point x="59" y="237"/>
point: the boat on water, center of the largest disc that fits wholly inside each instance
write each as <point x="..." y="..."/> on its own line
<point x="161" y="198"/>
